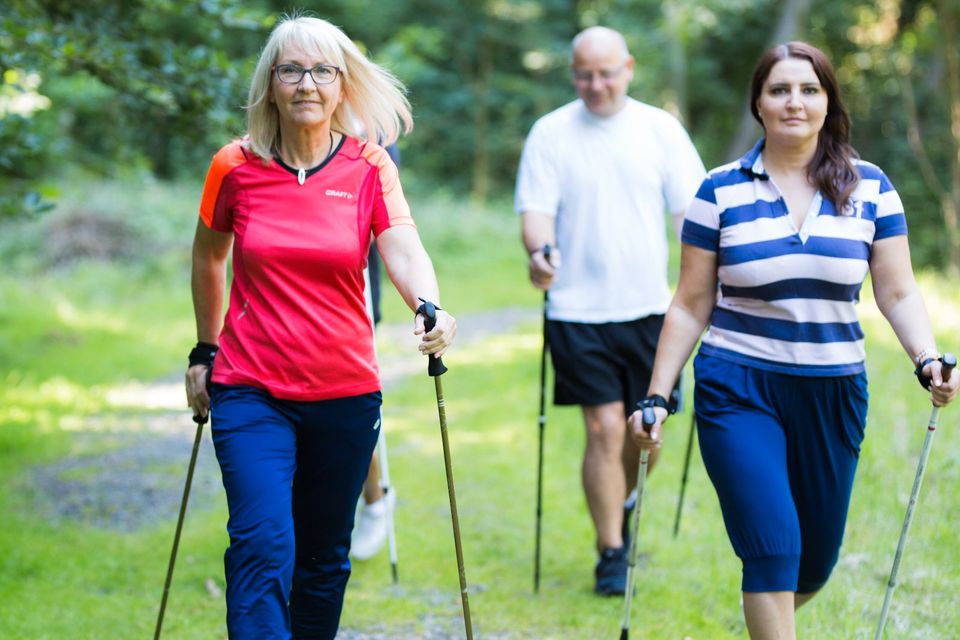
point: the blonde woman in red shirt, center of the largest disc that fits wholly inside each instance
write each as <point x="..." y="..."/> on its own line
<point x="295" y="388"/>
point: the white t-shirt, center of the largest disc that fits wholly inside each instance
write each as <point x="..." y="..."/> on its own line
<point x="609" y="182"/>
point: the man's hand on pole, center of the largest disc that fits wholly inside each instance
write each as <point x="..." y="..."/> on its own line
<point x="543" y="268"/>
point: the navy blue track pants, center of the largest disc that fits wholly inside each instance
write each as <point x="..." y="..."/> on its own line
<point x="293" y="472"/>
<point x="781" y="452"/>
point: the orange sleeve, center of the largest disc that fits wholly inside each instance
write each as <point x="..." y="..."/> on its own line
<point x="225" y="160"/>
<point x="398" y="211"/>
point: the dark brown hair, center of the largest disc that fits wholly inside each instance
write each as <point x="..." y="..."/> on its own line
<point x="831" y="169"/>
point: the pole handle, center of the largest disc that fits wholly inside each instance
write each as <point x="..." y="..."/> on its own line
<point x="649" y="418"/>
<point x="546" y="293"/>
<point x="428" y="310"/>
<point x="947" y="364"/>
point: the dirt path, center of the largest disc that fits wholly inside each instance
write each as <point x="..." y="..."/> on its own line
<point x="126" y="469"/>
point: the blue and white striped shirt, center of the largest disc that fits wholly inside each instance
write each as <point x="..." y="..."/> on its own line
<point x="787" y="295"/>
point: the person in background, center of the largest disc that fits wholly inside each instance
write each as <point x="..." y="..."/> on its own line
<point x="596" y="178"/>
<point x="789" y="231"/>
<point x="295" y="393"/>
<point x="370" y="532"/>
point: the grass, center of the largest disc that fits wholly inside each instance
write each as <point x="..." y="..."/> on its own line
<point x="70" y="337"/>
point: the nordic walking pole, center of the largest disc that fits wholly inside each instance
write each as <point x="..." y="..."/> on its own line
<point x="382" y="446"/>
<point x="542" y="422"/>
<point x="649" y="419"/>
<point x="387" y="488"/>
<point x="686" y="470"/>
<point x="435" y="369"/>
<point x="200" y="420"/>
<point x="949" y="361"/>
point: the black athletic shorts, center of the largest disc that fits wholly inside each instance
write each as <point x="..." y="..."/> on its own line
<point x="601" y="363"/>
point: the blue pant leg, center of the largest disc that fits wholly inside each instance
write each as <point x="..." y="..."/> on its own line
<point x="334" y="448"/>
<point x="744" y="451"/>
<point x="255" y="443"/>
<point x="825" y="419"/>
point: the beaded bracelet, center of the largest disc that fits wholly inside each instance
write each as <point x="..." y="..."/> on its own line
<point x="925" y="355"/>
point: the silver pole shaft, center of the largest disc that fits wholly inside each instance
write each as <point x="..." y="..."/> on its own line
<point x="917" y="483"/>
<point x="634" y="545"/>
<point x="382" y="447"/>
<point x="387" y="488"/>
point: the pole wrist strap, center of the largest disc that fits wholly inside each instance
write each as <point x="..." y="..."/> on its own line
<point x="921" y="376"/>
<point x="656" y="400"/>
<point x="203" y="353"/>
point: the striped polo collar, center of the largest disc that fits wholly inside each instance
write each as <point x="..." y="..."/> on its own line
<point x="752" y="161"/>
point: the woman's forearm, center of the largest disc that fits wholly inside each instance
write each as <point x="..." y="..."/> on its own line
<point x="408" y="266"/>
<point x="686" y="318"/>
<point x="681" y="331"/>
<point x="208" y="281"/>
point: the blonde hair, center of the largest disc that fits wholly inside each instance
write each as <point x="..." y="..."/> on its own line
<point x="374" y="107"/>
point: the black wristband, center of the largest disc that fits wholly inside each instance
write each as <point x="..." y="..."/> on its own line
<point x="203" y="353"/>
<point x="656" y="400"/>
<point x="422" y="307"/>
<point x="924" y="380"/>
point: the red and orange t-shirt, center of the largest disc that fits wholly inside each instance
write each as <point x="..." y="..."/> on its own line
<point x="297" y="324"/>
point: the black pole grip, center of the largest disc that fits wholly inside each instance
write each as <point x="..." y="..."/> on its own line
<point x="649" y="418"/>
<point x="435" y="366"/>
<point x="546" y="252"/>
<point x="947" y="364"/>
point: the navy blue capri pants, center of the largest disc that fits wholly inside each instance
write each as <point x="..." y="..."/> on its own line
<point x="781" y="451"/>
<point x="293" y="472"/>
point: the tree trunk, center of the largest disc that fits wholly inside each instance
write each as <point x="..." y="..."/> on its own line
<point x="951" y="199"/>
<point x="949" y="193"/>
<point x="480" y="183"/>
<point x="678" y="59"/>
<point x="789" y="27"/>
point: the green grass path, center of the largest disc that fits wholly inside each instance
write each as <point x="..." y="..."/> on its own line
<point x="72" y="341"/>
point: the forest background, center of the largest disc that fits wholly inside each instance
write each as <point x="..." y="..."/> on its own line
<point x="109" y="113"/>
<point x="155" y="86"/>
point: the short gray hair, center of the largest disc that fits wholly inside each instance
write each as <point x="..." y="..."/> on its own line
<point x="603" y="34"/>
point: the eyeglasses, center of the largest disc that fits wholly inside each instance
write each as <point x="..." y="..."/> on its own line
<point x="583" y="75"/>
<point x="293" y="73"/>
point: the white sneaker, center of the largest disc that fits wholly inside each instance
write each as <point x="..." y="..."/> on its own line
<point x="370" y="530"/>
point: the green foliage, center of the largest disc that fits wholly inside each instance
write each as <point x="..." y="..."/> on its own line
<point x="27" y="143"/>
<point x="150" y="79"/>
<point x="158" y="85"/>
<point x="880" y="53"/>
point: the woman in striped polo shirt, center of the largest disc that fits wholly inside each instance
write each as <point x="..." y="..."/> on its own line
<point x="788" y="232"/>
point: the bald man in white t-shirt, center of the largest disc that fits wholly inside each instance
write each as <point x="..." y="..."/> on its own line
<point x="597" y="179"/>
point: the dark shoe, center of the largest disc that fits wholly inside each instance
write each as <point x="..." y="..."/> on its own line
<point x="611" y="572"/>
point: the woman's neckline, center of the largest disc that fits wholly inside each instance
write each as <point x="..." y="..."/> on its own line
<point x="303" y="173"/>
